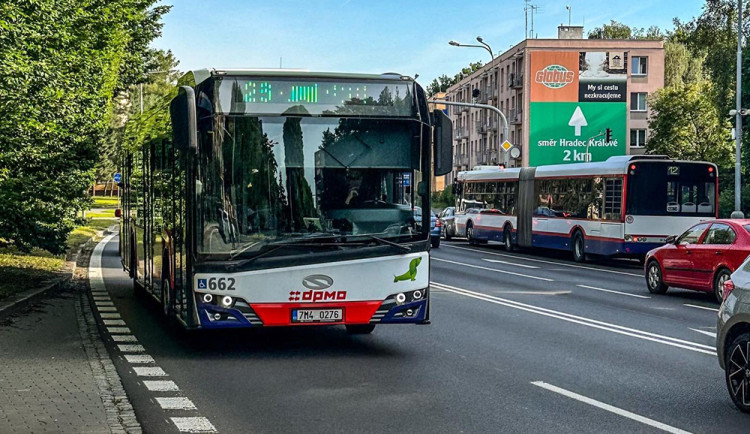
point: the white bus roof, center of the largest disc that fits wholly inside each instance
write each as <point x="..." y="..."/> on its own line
<point x="617" y="165"/>
<point x="204" y="74"/>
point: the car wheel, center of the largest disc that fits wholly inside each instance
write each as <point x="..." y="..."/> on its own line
<point x="721" y="276"/>
<point x="737" y="372"/>
<point x="579" y="249"/>
<point x="435" y="241"/>
<point x="654" y="279"/>
<point x="166" y="304"/>
<point x="470" y="233"/>
<point x="360" y="329"/>
<point x="507" y="239"/>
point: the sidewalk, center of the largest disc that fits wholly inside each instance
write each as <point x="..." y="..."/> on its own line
<point x="55" y="374"/>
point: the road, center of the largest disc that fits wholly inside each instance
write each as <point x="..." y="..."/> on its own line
<point x="518" y="343"/>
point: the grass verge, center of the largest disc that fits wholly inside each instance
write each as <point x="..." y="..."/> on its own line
<point x="106" y="202"/>
<point x="20" y="271"/>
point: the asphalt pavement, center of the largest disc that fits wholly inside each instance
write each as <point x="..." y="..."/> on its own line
<point x="519" y="342"/>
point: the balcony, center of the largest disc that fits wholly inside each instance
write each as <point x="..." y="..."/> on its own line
<point x="515" y="81"/>
<point x="483" y="126"/>
<point x="461" y="133"/>
<point x="515" y="116"/>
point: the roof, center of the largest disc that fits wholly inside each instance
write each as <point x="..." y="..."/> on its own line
<point x="204" y="74"/>
<point x="617" y="165"/>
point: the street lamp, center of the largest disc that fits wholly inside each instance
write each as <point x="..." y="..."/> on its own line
<point x="492" y="56"/>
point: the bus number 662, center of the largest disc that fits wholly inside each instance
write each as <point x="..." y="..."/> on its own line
<point x="221" y="283"/>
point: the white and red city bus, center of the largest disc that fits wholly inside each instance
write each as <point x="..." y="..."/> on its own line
<point x="624" y="206"/>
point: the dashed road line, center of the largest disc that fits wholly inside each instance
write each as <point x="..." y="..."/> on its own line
<point x="701" y="307"/>
<point x="139" y="358"/>
<point x="113" y="322"/>
<point x="118" y="330"/>
<point x="149" y="371"/>
<point x="561" y="264"/>
<point x="110" y="315"/>
<point x="175" y="403"/>
<point x="131" y="348"/>
<point x="106" y="309"/>
<point x="124" y="338"/>
<point x="161" y="385"/>
<point x="493" y="269"/>
<point x="588" y="322"/>
<point x="613" y="291"/>
<point x="610" y="408"/>
<point x="193" y="424"/>
<point x="704" y="332"/>
<point x="498" y="261"/>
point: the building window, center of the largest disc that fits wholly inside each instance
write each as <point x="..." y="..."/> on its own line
<point x="638" y="101"/>
<point x="637" y="138"/>
<point x="639" y="65"/>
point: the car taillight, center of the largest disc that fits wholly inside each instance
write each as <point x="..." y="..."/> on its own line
<point x="728" y="288"/>
<point x="438" y="223"/>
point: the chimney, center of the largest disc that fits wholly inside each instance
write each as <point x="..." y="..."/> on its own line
<point x="569" y="32"/>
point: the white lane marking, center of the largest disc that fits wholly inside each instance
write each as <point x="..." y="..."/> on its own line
<point x="613" y="291"/>
<point x="110" y="315"/>
<point x="118" y="330"/>
<point x="106" y="308"/>
<point x="96" y="280"/>
<point x="104" y="304"/>
<point x="707" y="333"/>
<point x="701" y="307"/>
<point x="161" y="385"/>
<point x="139" y="358"/>
<point x="498" y="261"/>
<point x="193" y="424"/>
<point x="131" y="348"/>
<point x="562" y="264"/>
<point x="149" y="371"/>
<point x="609" y="408"/>
<point x="176" y="403"/>
<point x="113" y="322"/>
<point x="493" y="269"/>
<point x="640" y="334"/>
<point x="124" y="338"/>
<point x="101" y="298"/>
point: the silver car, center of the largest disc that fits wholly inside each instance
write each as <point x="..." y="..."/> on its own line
<point x="733" y="336"/>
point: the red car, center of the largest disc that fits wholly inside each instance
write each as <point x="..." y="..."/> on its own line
<point x="702" y="258"/>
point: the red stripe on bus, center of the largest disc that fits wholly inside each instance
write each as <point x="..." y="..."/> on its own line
<point x="280" y="314"/>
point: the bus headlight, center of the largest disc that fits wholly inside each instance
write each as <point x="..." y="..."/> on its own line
<point x="417" y="294"/>
<point x="226" y="301"/>
<point x="208" y="298"/>
<point x="400" y="298"/>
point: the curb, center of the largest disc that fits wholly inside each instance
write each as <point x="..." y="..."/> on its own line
<point x="33" y="296"/>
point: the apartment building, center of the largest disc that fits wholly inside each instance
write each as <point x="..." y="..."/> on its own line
<point x="559" y="96"/>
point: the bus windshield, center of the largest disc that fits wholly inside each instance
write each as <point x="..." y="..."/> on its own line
<point x="266" y="180"/>
<point x="671" y="189"/>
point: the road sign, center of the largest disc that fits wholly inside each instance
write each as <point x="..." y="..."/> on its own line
<point x="117" y="177"/>
<point x="559" y="132"/>
<point x="506" y="145"/>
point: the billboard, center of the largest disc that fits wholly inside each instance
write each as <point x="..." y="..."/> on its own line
<point x="574" y="98"/>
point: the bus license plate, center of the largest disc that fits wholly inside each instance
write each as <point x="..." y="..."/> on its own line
<point x="317" y="315"/>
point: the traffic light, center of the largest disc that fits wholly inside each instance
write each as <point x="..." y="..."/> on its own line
<point x="608" y="135"/>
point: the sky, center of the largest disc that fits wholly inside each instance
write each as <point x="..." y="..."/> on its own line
<point x="376" y="36"/>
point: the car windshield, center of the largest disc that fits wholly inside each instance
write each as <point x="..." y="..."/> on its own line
<point x="265" y="179"/>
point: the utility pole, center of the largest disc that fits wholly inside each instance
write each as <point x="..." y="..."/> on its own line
<point x="738" y="119"/>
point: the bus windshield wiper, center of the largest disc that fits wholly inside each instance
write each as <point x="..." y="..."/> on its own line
<point x="299" y="242"/>
<point x="388" y="242"/>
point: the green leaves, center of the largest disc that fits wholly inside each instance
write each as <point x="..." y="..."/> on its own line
<point x="60" y="64"/>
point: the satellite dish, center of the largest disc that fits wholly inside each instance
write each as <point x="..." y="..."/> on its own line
<point x="515" y="152"/>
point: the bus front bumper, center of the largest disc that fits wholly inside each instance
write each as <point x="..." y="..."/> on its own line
<point x="392" y="310"/>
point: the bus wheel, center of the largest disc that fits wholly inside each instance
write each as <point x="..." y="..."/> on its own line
<point x="166" y="304"/>
<point x="579" y="249"/>
<point x="507" y="239"/>
<point x="360" y="329"/>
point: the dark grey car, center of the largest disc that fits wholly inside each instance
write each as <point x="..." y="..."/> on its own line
<point x="733" y="336"/>
<point x="448" y="219"/>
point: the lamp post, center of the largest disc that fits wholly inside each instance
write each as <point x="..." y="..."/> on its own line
<point x="738" y="119"/>
<point x="492" y="56"/>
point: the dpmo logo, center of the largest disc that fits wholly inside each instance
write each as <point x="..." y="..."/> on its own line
<point x="554" y="76"/>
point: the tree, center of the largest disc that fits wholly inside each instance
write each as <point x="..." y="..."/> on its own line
<point x="680" y="66"/>
<point x="440" y="84"/>
<point x="61" y="62"/>
<point x="686" y="125"/>
<point x="618" y="30"/>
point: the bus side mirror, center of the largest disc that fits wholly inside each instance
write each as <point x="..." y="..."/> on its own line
<point x="443" y="143"/>
<point x="184" y="119"/>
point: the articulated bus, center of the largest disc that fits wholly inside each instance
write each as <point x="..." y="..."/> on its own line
<point x="624" y="206"/>
<point x="278" y="198"/>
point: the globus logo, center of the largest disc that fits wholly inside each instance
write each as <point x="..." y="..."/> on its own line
<point x="554" y="76"/>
